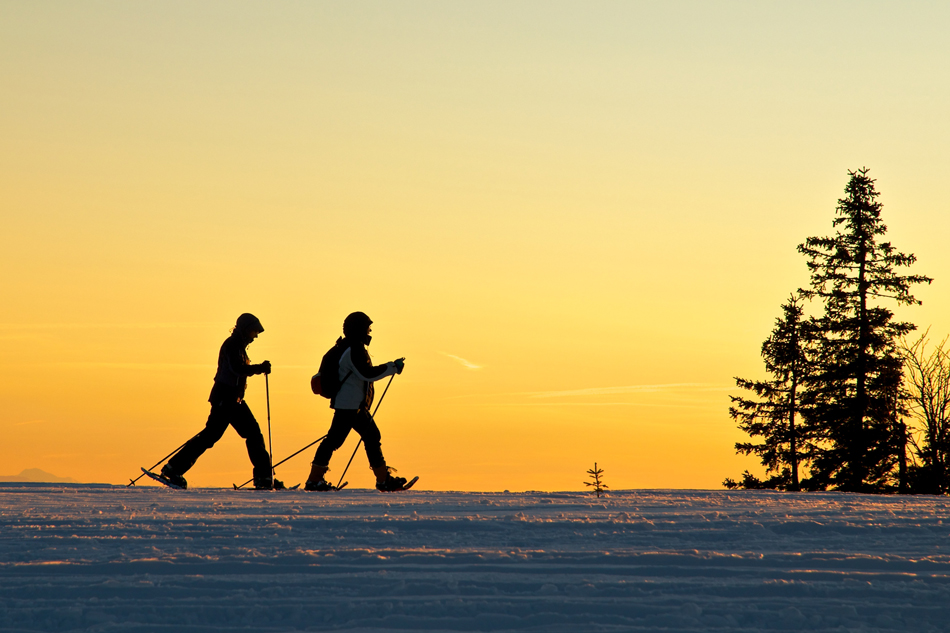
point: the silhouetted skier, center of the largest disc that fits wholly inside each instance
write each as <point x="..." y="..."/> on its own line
<point x="228" y="408"/>
<point x="351" y="407"/>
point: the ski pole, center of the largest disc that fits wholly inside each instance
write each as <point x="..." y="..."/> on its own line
<point x="270" y="445"/>
<point x="373" y="417"/>
<point x="132" y="481"/>
<point x="285" y="459"/>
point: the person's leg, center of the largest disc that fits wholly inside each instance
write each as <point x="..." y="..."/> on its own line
<point x="364" y="424"/>
<point x="247" y="427"/>
<point x="339" y="429"/>
<point x="215" y="427"/>
<point x="366" y="427"/>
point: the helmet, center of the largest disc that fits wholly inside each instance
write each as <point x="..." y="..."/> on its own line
<point x="247" y="322"/>
<point x="355" y="327"/>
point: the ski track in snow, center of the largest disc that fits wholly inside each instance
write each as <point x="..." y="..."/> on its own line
<point x="82" y="558"/>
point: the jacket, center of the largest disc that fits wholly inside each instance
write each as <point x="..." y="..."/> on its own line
<point x="357" y="374"/>
<point x="234" y="366"/>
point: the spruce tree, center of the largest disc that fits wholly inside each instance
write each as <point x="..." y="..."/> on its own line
<point x="774" y="415"/>
<point x="855" y="387"/>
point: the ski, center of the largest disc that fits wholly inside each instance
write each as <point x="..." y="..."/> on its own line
<point x="237" y="487"/>
<point x="161" y="479"/>
<point x="331" y="488"/>
<point x="409" y="484"/>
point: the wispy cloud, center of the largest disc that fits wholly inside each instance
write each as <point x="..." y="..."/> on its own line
<point x="602" y="391"/>
<point x="465" y="363"/>
<point x="657" y="405"/>
<point x="676" y="391"/>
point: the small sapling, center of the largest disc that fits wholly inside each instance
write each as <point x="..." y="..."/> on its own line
<point x="598" y="483"/>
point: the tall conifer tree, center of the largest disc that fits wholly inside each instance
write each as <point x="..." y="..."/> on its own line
<point x="775" y="416"/>
<point x="855" y="388"/>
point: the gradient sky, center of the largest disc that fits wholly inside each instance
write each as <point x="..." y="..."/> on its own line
<point x="577" y="221"/>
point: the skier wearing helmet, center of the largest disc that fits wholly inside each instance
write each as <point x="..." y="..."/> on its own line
<point x="352" y="404"/>
<point x="229" y="408"/>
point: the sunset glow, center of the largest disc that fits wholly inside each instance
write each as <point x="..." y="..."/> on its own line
<point x="577" y="222"/>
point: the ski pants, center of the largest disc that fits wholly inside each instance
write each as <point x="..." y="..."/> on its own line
<point x="358" y="420"/>
<point x="223" y="414"/>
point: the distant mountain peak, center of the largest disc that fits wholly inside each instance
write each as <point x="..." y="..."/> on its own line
<point x="35" y="475"/>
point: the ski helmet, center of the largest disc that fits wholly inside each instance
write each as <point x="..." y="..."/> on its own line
<point x="247" y="322"/>
<point x="356" y="326"/>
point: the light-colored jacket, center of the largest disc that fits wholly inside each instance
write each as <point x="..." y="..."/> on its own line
<point x="352" y="393"/>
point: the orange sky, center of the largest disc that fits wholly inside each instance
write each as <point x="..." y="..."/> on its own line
<point x="577" y="222"/>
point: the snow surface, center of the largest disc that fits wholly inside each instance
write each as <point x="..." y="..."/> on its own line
<point x="154" y="559"/>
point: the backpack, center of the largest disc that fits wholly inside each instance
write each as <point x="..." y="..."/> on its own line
<point x="327" y="381"/>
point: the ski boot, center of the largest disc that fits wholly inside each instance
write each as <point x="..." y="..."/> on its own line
<point x="174" y="477"/>
<point x="391" y="484"/>
<point x="266" y="483"/>
<point x="386" y="482"/>
<point x="319" y="486"/>
<point x="316" y="482"/>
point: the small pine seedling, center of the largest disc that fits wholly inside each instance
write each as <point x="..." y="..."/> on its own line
<point x="597" y="484"/>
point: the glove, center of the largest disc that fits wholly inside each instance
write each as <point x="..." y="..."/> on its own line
<point x="399" y="363"/>
<point x="265" y="367"/>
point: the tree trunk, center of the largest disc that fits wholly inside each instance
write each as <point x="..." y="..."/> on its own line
<point x="859" y="441"/>
<point x="792" y="438"/>
<point x="902" y="457"/>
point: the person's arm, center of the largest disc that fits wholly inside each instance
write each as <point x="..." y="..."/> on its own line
<point x="365" y="370"/>
<point x="236" y="364"/>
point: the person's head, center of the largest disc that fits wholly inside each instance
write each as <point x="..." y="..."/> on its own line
<point x="356" y="327"/>
<point x="248" y="326"/>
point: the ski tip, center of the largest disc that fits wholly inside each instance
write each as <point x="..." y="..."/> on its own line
<point x="161" y="479"/>
<point x="235" y="486"/>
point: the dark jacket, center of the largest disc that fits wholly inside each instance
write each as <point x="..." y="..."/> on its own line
<point x="230" y="381"/>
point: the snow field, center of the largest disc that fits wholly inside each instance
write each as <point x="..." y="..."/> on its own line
<point x="79" y="558"/>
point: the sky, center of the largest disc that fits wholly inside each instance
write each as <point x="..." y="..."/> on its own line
<point x="577" y="221"/>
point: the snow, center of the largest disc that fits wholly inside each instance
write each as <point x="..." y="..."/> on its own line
<point x="78" y="558"/>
